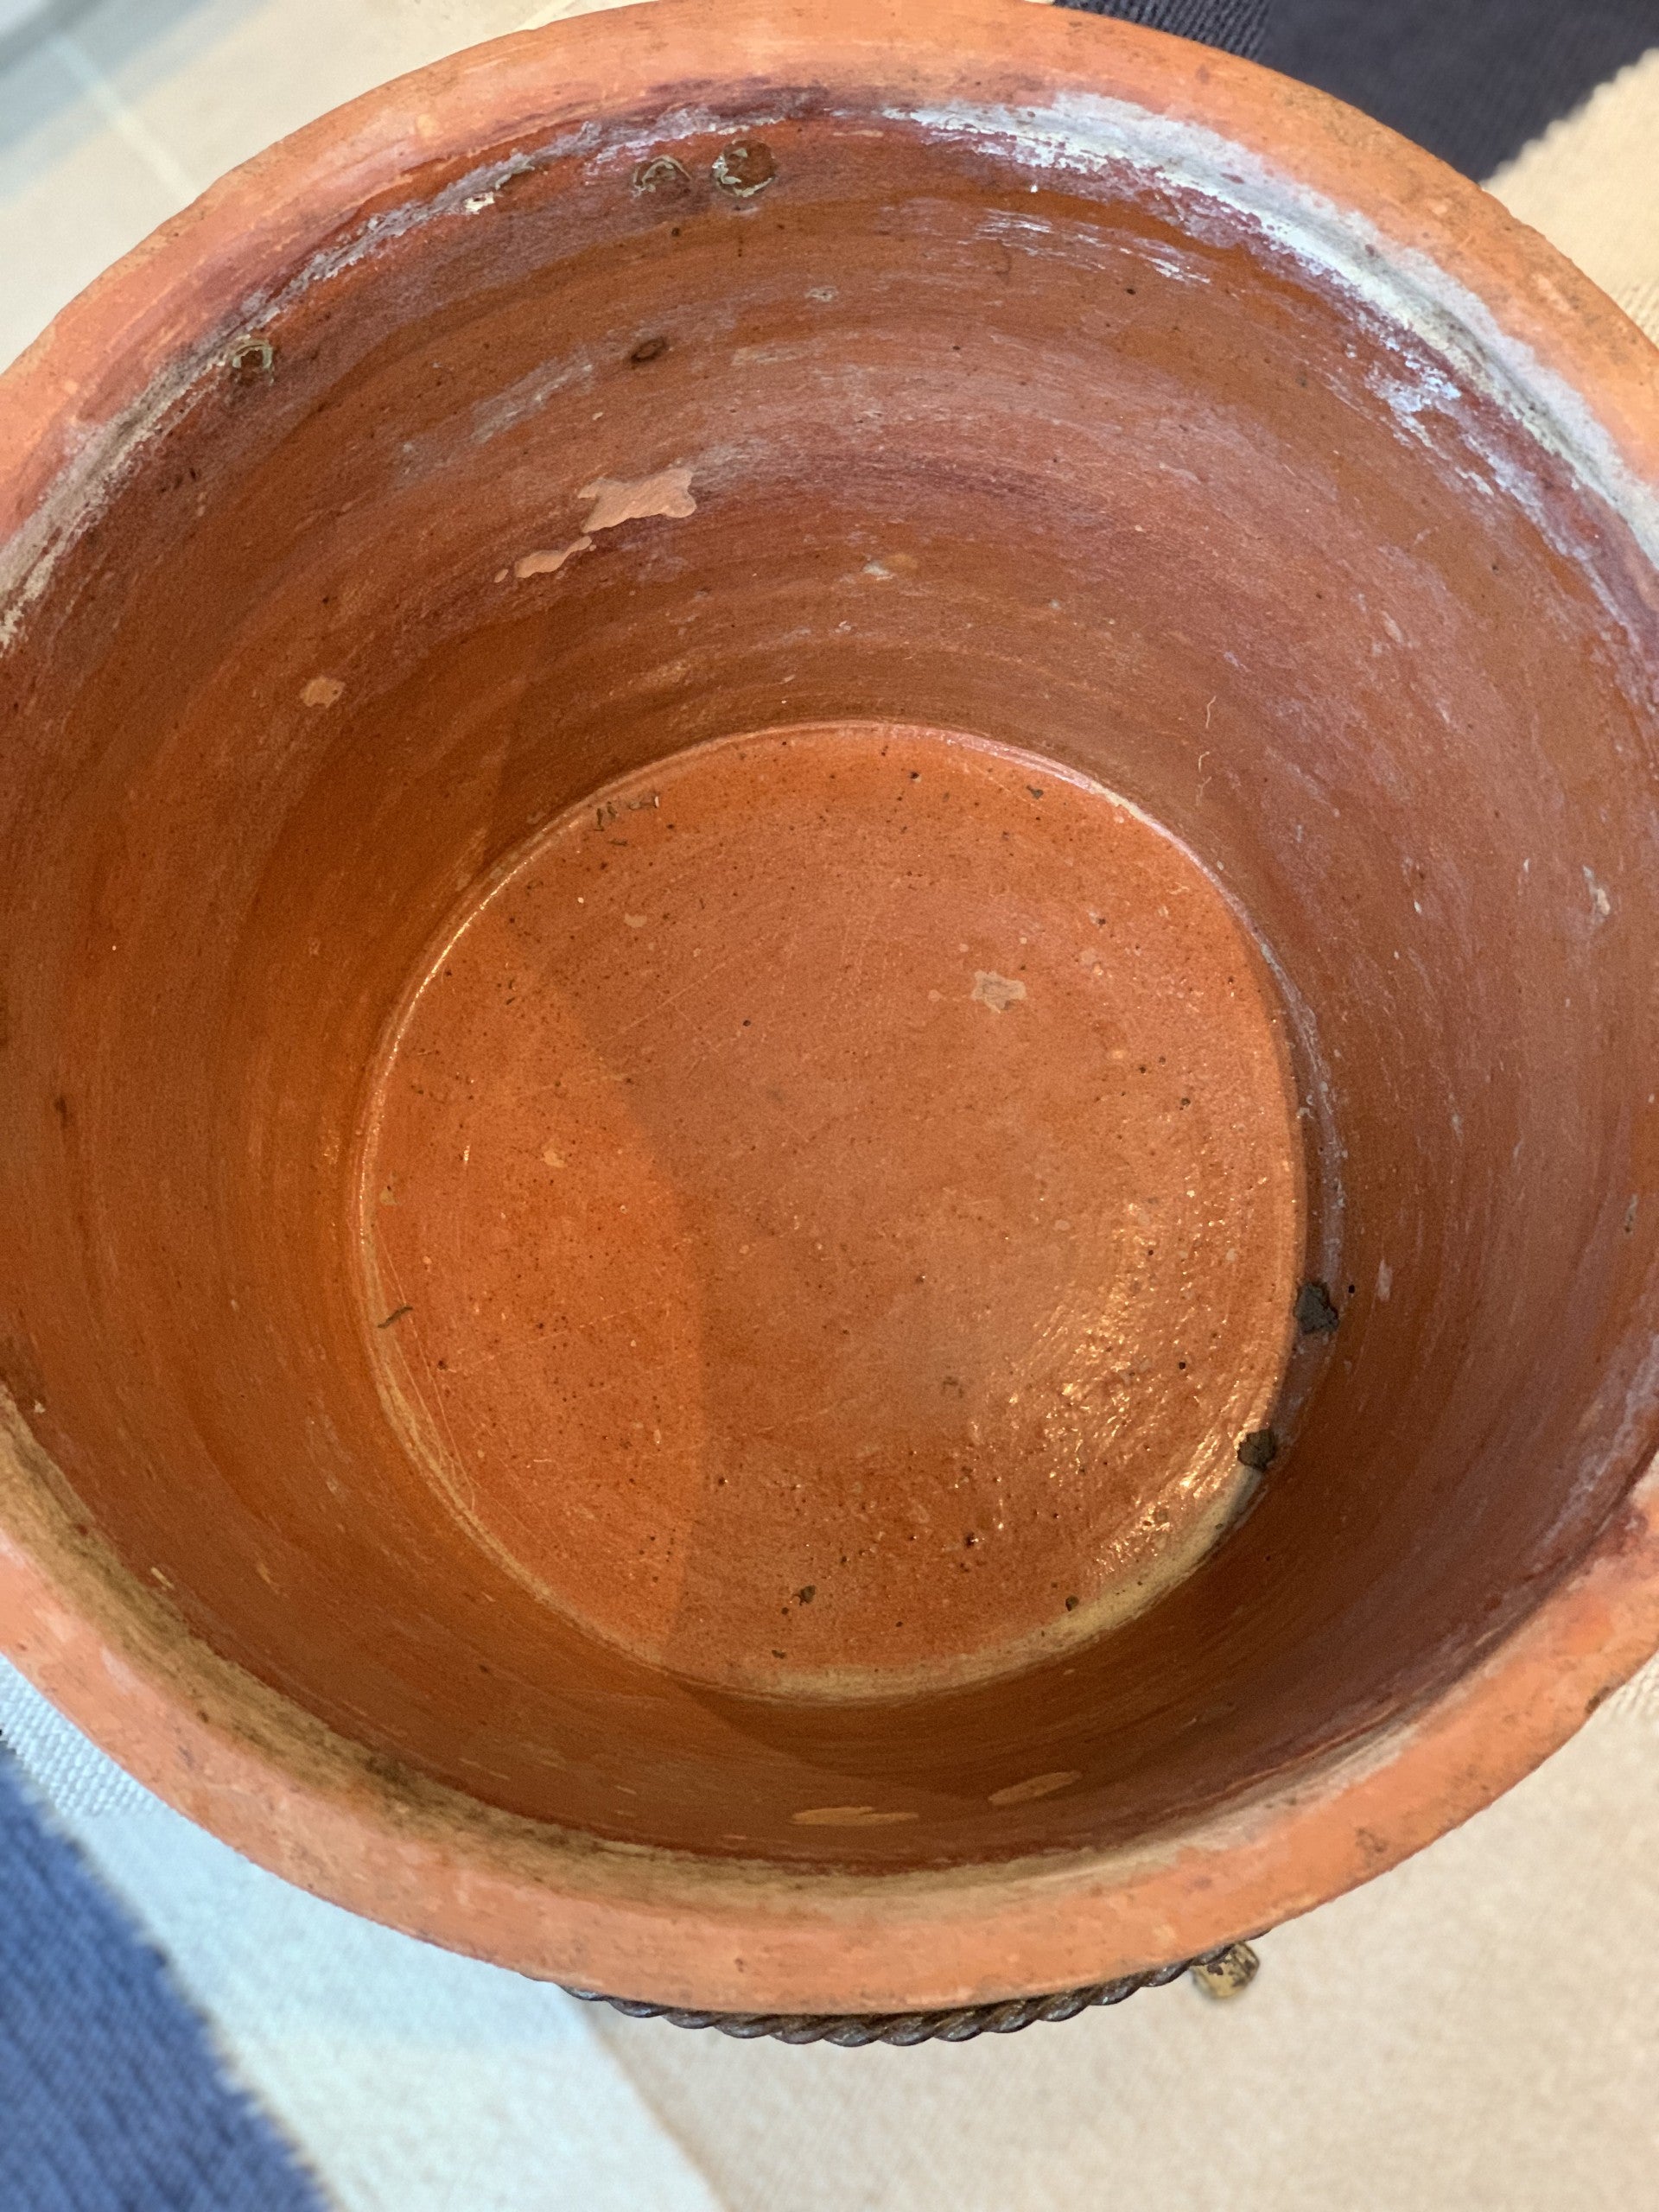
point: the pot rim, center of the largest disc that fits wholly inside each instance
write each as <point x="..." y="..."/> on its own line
<point x="634" y="1921"/>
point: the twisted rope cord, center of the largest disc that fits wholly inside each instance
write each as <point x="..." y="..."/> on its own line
<point x="853" y="2031"/>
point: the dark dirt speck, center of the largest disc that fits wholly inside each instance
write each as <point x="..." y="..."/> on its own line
<point x="1316" y="1316"/>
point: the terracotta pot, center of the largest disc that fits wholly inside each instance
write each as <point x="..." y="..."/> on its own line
<point x="828" y="917"/>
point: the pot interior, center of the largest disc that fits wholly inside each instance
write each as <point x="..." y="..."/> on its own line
<point x="829" y="999"/>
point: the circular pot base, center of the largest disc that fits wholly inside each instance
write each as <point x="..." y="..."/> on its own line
<point x="830" y="1208"/>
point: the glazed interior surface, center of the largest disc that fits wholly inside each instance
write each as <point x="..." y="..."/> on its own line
<point x="904" y="456"/>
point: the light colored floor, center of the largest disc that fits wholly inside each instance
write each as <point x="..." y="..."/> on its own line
<point x="110" y="127"/>
<point x="1476" y="2030"/>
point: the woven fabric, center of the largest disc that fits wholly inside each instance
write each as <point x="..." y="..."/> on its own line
<point x="1235" y="26"/>
<point x="1473" y="80"/>
<point x="1470" y="79"/>
<point x="1590" y="184"/>
<point x="411" y="2080"/>
<point x="55" y="1758"/>
<point x="110" y="2097"/>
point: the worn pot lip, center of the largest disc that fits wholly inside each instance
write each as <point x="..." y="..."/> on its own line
<point x="632" y="1921"/>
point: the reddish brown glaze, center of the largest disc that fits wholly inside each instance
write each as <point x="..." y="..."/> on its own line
<point x="512" y="446"/>
<point x="830" y="1212"/>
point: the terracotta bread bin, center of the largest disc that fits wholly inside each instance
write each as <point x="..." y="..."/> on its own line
<point x="829" y="909"/>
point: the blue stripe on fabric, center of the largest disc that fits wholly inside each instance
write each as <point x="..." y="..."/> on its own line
<point x="110" y="2097"/>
